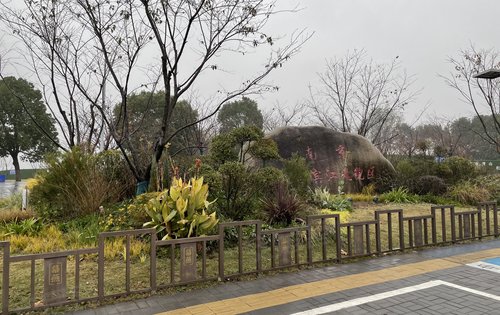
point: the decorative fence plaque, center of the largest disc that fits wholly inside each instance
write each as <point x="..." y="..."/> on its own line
<point x="54" y="289"/>
<point x="188" y="262"/>
<point x="418" y="232"/>
<point x="284" y="249"/>
<point x="359" y="248"/>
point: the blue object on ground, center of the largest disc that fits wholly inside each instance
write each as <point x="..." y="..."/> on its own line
<point x="141" y="188"/>
<point x="2" y="178"/>
<point x="493" y="261"/>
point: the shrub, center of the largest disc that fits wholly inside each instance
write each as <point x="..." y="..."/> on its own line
<point x="15" y="215"/>
<point x="491" y="183"/>
<point x="429" y="184"/>
<point x="181" y="211"/>
<point x="264" y="180"/>
<point x="437" y="200"/>
<point x="398" y="195"/>
<point x="368" y="190"/>
<point x="344" y="216"/>
<point x="298" y="174"/>
<point x="12" y="202"/>
<point x="469" y="193"/>
<point x="75" y="184"/>
<point x="235" y="199"/>
<point x="29" y="227"/>
<point x="241" y="189"/>
<point x="222" y="149"/>
<point x="324" y="199"/>
<point x="82" y="231"/>
<point x="49" y="240"/>
<point x="359" y="197"/>
<point x="461" y="169"/>
<point x="264" y="149"/>
<point x="128" y="214"/>
<point x="405" y="170"/>
<point x="282" y="206"/>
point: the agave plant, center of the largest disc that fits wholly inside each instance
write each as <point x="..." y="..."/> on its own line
<point x="182" y="210"/>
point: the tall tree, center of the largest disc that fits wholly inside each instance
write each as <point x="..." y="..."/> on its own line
<point x="360" y="96"/>
<point x="26" y="129"/>
<point x="244" y="112"/>
<point x="92" y="49"/>
<point x="144" y="112"/>
<point x="483" y="95"/>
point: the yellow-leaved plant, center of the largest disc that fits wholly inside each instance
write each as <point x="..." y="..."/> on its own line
<point x="182" y="210"/>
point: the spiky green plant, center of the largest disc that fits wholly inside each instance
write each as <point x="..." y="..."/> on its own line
<point x="182" y="210"/>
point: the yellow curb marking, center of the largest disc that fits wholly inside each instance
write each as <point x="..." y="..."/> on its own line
<point x="299" y="292"/>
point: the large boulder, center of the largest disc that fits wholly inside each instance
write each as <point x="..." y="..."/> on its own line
<point x="336" y="158"/>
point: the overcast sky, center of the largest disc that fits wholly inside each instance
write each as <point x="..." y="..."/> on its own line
<point x="423" y="33"/>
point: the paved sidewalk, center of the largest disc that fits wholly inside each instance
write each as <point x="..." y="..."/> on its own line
<point x="431" y="281"/>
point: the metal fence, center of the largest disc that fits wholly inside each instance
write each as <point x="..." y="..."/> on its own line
<point x="239" y="248"/>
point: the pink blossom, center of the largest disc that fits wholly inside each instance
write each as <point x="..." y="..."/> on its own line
<point x="316" y="175"/>
<point x="371" y="173"/>
<point x="358" y="173"/>
<point x="345" y="174"/>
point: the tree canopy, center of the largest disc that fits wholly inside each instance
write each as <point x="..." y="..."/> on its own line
<point x="25" y="127"/>
<point x="144" y="111"/>
<point x="239" y="114"/>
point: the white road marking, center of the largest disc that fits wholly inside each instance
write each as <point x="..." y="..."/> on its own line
<point x="388" y="294"/>
<point x="485" y="266"/>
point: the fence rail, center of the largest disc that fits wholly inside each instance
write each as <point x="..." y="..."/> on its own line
<point x="242" y="248"/>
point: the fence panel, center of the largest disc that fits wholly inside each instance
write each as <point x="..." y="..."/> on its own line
<point x="359" y="239"/>
<point x="469" y="224"/>
<point x="182" y="260"/>
<point x="391" y="229"/>
<point x="51" y="271"/>
<point x="419" y="228"/>
<point x="126" y="236"/>
<point x="326" y="229"/>
<point x="441" y="215"/>
<point x="490" y="218"/>
<point x="290" y="243"/>
<point x="250" y="240"/>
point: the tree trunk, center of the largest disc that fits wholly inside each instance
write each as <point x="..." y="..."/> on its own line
<point x="15" y="161"/>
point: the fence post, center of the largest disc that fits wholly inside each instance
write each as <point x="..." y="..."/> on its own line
<point x="452" y="224"/>
<point x="480" y="224"/>
<point x="401" y="230"/>
<point x="100" y="268"/>
<point x="433" y="225"/>
<point x="5" y="278"/>
<point x="309" y="242"/>
<point x="495" y="220"/>
<point x="221" y="252"/>
<point x="338" y="239"/>
<point x="377" y="232"/>
<point x="258" y="244"/>
<point x="152" y="258"/>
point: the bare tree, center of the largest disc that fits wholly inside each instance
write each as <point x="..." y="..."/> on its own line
<point x="282" y="116"/>
<point x="62" y="56"/>
<point x="90" y="51"/>
<point x="360" y="96"/>
<point x="483" y="95"/>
